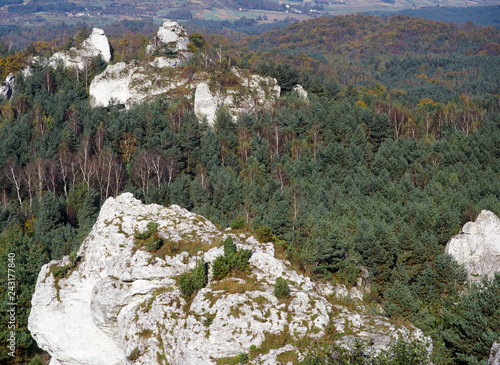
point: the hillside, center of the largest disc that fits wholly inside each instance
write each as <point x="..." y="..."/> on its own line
<point x="375" y="167"/>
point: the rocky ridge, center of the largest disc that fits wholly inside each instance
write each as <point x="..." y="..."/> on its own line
<point x="118" y="303"/>
<point x="137" y="82"/>
<point x="477" y="246"/>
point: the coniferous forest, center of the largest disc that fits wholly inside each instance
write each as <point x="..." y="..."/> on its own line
<point x="397" y="147"/>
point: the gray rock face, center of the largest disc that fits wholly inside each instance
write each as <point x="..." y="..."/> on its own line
<point x="122" y="305"/>
<point x="494" y="358"/>
<point x="7" y="88"/>
<point x="477" y="246"/>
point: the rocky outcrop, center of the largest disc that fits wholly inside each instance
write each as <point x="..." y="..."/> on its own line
<point x="252" y="93"/>
<point x="477" y="246"/>
<point x="172" y="35"/>
<point x="205" y="103"/>
<point x="129" y="84"/>
<point x="301" y="92"/>
<point x="97" y="44"/>
<point x="170" y="46"/>
<point x="7" y="87"/>
<point x="118" y="303"/>
<point x="494" y="358"/>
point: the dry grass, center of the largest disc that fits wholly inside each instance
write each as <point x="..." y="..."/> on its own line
<point x="233" y="286"/>
<point x="172" y="248"/>
<point x="288" y="356"/>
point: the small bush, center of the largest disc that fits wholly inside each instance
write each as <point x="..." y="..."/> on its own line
<point x="264" y="234"/>
<point x="229" y="247"/>
<point x="193" y="282"/>
<point x="199" y="276"/>
<point x="238" y="223"/>
<point x="242" y="358"/>
<point x="152" y="228"/>
<point x="134" y="355"/>
<point x="186" y="284"/>
<point x="281" y="289"/>
<point x="207" y="322"/>
<point x="240" y="260"/>
<point x="220" y="268"/>
<point x="150" y="238"/>
<point x="231" y="261"/>
<point x="154" y="243"/>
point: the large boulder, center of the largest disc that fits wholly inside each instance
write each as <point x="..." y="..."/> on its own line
<point x="117" y="302"/>
<point x="477" y="246"/>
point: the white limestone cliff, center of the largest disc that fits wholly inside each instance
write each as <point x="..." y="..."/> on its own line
<point x="121" y="304"/>
<point x="7" y="87"/>
<point x="477" y="246"/>
<point x="205" y="103"/>
<point x="96" y="44"/>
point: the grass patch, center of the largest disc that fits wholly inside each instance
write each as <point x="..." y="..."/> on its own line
<point x="145" y="333"/>
<point x="288" y="356"/>
<point x="193" y="246"/>
<point x="232" y="286"/>
<point x="62" y="272"/>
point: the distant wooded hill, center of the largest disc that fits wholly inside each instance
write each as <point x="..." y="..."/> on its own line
<point x="479" y="15"/>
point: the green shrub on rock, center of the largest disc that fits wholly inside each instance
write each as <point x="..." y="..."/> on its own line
<point x="231" y="261"/>
<point x="229" y="247"/>
<point x="281" y="289"/>
<point x="220" y="268"/>
<point x="194" y="281"/>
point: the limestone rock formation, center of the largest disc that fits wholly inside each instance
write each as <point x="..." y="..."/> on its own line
<point x="477" y="246"/>
<point x="96" y="44"/>
<point x="205" y="103"/>
<point x="119" y="303"/>
<point x="253" y="92"/>
<point x="138" y="82"/>
<point x="7" y="88"/>
<point x="299" y="89"/>
<point x="494" y="358"/>
<point x="129" y="84"/>
<point x="170" y="34"/>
